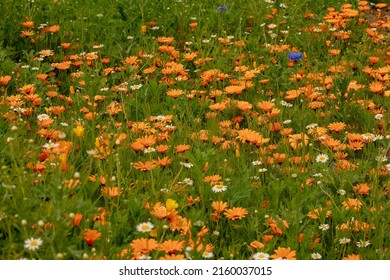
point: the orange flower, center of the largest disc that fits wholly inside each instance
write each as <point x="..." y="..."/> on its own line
<point x="265" y="106"/>
<point x="182" y="148"/>
<point x="257" y="245"/>
<point x="77" y="219"/>
<point x="292" y="94"/>
<point x="111" y="192"/>
<point x="62" y="65"/>
<point x="219" y="206"/>
<point x="159" y="211"/>
<point x="298" y="140"/>
<point x="193" y="25"/>
<point x="145" y="166"/>
<point x="334" y="52"/>
<point x="173" y="257"/>
<point x="336" y="126"/>
<point x="267" y="238"/>
<point x="4" y="80"/>
<point x="284" y="254"/>
<point x="352" y="257"/>
<point x="143" y="245"/>
<point x="137" y="146"/>
<point x="91" y="235"/>
<point x="356" y="204"/>
<point x="235" y="213"/>
<point x="234" y="89"/>
<point x="162" y="148"/>
<point x="362" y="188"/>
<point x="377" y="87"/>
<point x="165" y="161"/>
<point x="172" y="246"/>
<point x="51" y="29"/>
<point x="212" y="179"/>
<point x="175" y="93"/>
<point x="315" y="214"/>
<point x="165" y="40"/>
<point x="190" y="56"/>
<point x="147" y="141"/>
<point x="27" y="24"/>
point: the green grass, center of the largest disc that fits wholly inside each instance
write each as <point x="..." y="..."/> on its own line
<point x="98" y="118"/>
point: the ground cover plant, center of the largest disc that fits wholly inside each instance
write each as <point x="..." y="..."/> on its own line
<point x="253" y="129"/>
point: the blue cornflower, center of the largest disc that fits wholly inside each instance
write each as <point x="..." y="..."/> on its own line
<point x="221" y="9"/>
<point x="295" y="56"/>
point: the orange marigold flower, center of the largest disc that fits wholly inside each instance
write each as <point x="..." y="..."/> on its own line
<point x="212" y="179"/>
<point x="266" y="106"/>
<point x="137" y="146"/>
<point x="336" y="126"/>
<point x="352" y="257"/>
<point x="219" y="206"/>
<point x="355" y="204"/>
<point x="145" y="166"/>
<point x="144" y="245"/>
<point x="298" y="140"/>
<point x="182" y="148"/>
<point x="292" y="94"/>
<point x="4" y="80"/>
<point x="175" y="93"/>
<point x="165" y="40"/>
<point x="284" y="254"/>
<point x="159" y="211"/>
<point x="361" y="188"/>
<point x="172" y="246"/>
<point x="27" y="24"/>
<point x="91" y="235"/>
<point x="111" y="192"/>
<point x="162" y="148"/>
<point x="77" y="219"/>
<point x="173" y="257"/>
<point x="62" y="65"/>
<point x="377" y="87"/>
<point x="315" y="214"/>
<point x="334" y="52"/>
<point x="257" y="245"/>
<point x="147" y="141"/>
<point x="165" y="161"/>
<point x="267" y="238"/>
<point x="234" y="89"/>
<point x="235" y="213"/>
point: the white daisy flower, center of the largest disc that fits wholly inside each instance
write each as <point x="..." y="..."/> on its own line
<point x="344" y="240"/>
<point x="145" y="227"/>
<point x="323" y="227"/>
<point x="33" y="244"/>
<point x="316" y="256"/>
<point x="135" y="87"/>
<point x="219" y="188"/>
<point x="363" y="243"/>
<point x="43" y="117"/>
<point x="322" y="158"/>
<point x="341" y="192"/>
<point x="207" y="255"/>
<point x="186" y="164"/>
<point x="260" y="256"/>
<point x="188" y="181"/>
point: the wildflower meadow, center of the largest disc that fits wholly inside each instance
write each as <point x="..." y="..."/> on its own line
<point x="198" y="130"/>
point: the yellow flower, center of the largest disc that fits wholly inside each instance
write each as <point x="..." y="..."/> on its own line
<point x="79" y="131"/>
<point x="171" y="204"/>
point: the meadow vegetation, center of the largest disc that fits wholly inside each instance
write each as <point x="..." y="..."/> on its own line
<point x="248" y="129"/>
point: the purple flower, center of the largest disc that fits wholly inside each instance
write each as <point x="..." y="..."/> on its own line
<point x="295" y="56"/>
<point x="221" y="9"/>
